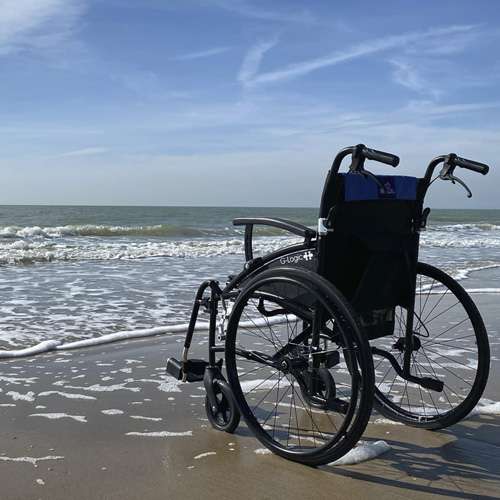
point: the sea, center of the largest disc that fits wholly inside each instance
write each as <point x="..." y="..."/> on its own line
<point x="70" y="273"/>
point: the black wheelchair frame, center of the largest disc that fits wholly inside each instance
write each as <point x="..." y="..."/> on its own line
<point x="311" y="252"/>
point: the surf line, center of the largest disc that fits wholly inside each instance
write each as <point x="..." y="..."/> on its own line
<point x="58" y="345"/>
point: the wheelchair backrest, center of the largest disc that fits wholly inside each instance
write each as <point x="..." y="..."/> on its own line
<point x="371" y="251"/>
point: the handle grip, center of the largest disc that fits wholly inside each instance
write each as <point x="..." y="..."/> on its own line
<point x="475" y="166"/>
<point x="381" y="156"/>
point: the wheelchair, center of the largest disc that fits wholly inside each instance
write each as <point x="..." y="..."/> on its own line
<point x="316" y="334"/>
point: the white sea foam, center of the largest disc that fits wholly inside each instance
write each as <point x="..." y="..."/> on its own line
<point x="31" y="251"/>
<point x="57" y="416"/>
<point x="263" y="451"/>
<point x="45" y="346"/>
<point x="140" y="417"/>
<point x="104" y="388"/>
<point x="160" y="434"/>
<point x="385" y="421"/>
<point x="483" y="290"/>
<point x="263" y="384"/>
<point x="31" y="460"/>
<point x="50" y="345"/>
<point x="362" y="452"/>
<point x="106" y="230"/>
<point x="486" y="408"/>
<point x="112" y="411"/>
<point x="203" y="455"/>
<point x="17" y="396"/>
<point x="73" y="243"/>
<point x="65" y="395"/>
<point x="18" y="380"/>
<point x="169" y="385"/>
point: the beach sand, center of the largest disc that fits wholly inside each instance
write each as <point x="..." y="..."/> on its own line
<point x="106" y="423"/>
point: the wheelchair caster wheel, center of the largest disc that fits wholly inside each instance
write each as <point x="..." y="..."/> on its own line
<point x="226" y="416"/>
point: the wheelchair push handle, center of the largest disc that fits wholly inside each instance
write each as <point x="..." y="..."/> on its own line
<point x="475" y="166"/>
<point x="359" y="154"/>
<point x="447" y="173"/>
<point x="451" y="161"/>
<point x="381" y="156"/>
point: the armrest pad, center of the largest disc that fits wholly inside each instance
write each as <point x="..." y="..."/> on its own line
<point x="290" y="226"/>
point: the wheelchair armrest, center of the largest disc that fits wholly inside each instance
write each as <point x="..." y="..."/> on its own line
<point x="290" y="226"/>
<point x="287" y="225"/>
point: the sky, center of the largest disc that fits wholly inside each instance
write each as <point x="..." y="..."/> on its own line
<point x="240" y="102"/>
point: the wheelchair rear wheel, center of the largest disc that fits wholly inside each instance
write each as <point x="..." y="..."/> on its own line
<point x="450" y="344"/>
<point x="300" y="370"/>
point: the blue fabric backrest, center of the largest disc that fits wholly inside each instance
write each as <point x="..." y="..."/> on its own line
<point x="397" y="187"/>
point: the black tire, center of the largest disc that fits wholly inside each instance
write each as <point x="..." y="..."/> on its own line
<point x="227" y="416"/>
<point x="460" y="359"/>
<point x="314" y="438"/>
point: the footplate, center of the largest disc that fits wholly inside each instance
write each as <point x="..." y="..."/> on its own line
<point x="193" y="369"/>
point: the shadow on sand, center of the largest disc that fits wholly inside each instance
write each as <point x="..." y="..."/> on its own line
<point x="467" y="465"/>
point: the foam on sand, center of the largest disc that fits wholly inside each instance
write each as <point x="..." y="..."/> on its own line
<point x="18" y="380"/>
<point x="45" y="346"/>
<point x="486" y="408"/>
<point x="31" y="460"/>
<point x="263" y="451"/>
<point x="112" y="411"/>
<point x="263" y="384"/>
<point x="54" y="345"/>
<point x="362" y="452"/>
<point x="17" y="396"/>
<point x="57" y="416"/>
<point x="66" y="395"/>
<point x="104" y="388"/>
<point x="385" y="421"/>
<point x="160" y="434"/>
<point x="206" y="454"/>
<point x="140" y="417"/>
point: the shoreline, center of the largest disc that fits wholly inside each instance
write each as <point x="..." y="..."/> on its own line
<point x="463" y="276"/>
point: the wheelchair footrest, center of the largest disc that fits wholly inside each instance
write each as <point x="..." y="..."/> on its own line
<point x="193" y="368"/>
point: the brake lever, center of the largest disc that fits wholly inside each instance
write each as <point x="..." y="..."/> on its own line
<point x="454" y="179"/>
<point x="446" y="174"/>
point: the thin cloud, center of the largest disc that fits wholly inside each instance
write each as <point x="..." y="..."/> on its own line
<point x="360" y="50"/>
<point x="201" y="54"/>
<point x="407" y="75"/>
<point x="430" y="108"/>
<point x="83" y="152"/>
<point x="37" y="24"/>
<point x="251" y="62"/>
<point x="248" y="9"/>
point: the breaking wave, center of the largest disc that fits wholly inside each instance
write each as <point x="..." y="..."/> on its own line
<point x="32" y="244"/>
<point x="103" y="231"/>
<point x="29" y="252"/>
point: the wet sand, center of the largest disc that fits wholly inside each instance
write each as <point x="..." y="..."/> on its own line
<point x="157" y="443"/>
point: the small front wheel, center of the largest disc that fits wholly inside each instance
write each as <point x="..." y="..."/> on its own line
<point x="227" y="416"/>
